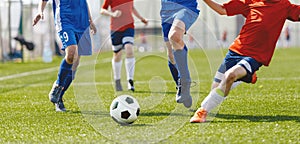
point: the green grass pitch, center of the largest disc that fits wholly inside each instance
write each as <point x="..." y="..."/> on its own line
<point x="267" y="112"/>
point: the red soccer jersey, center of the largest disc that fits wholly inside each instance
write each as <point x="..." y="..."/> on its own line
<point x="264" y="22"/>
<point x="125" y="20"/>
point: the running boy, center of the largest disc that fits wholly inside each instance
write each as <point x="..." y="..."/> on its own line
<point x="72" y="18"/>
<point x="122" y="36"/>
<point x="252" y="48"/>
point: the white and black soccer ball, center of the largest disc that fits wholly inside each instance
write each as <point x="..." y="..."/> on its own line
<point x="124" y="109"/>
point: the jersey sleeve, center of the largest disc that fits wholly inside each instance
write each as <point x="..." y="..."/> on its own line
<point x="235" y="7"/>
<point x="106" y="4"/>
<point x="294" y="13"/>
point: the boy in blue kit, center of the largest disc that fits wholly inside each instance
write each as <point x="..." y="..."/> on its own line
<point x="177" y="17"/>
<point x="72" y="18"/>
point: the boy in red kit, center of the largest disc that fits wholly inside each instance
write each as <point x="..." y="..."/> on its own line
<point x="122" y="37"/>
<point x="252" y="48"/>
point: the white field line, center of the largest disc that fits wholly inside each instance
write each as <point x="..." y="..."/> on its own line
<point x="42" y="71"/>
<point x="47" y="70"/>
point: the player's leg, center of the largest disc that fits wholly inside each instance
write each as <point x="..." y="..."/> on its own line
<point x="220" y="74"/>
<point x="172" y="63"/>
<point x="182" y="22"/>
<point x="180" y="55"/>
<point x="218" y="94"/>
<point x="84" y="47"/>
<point x="244" y="71"/>
<point x="128" y="40"/>
<point x="70" y="77"/>
<point x="70" y="48"/>
<point x="117" y="47"/>
<point x="166" y="26"/>
<point x="117" y="68"/>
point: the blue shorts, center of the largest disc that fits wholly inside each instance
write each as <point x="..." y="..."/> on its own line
<point x="119" y="39"/>
<point x="182" y="13"/>
<point x="232" y="59"/>
<point x="81" y="39"/>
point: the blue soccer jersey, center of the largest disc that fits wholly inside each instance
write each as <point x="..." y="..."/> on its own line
<point x="71" y="14"/>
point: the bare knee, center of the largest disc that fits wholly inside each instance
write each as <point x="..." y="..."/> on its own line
<point x="71" y="54"/>
<point x="176" y="40"/>
<point x="129" y="51"/>
<point x="70" y="59"/>
<point x="117" y="56"/>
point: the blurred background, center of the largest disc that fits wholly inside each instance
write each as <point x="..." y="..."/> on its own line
<point x="19" y="41"/>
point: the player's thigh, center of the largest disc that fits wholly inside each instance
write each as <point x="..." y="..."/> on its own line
<point x="67" y="37"/>
<point x="251" y="66"/>
<point x="128" y="36"/>
<point x="177" y="29"/>
<point x="116" y="40"/>
<point x="239" y="62"/>
<point x="186" y="16"/>
<point x="237" y="71"/>
<point x="230" y="60"/>
<point x="128" y="41"/>
<point x="69" y="44"/>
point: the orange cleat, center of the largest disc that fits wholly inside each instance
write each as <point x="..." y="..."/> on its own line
<point x="199" y="116"/>
<point x="254" y="78"/>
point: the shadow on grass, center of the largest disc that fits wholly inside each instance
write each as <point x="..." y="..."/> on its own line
<point x="106" y="114"/>
<point x="96" y="113"/>
<point x="162" y="114"/>
<point x="135" y="125"/>
<point x="264" y="118"/>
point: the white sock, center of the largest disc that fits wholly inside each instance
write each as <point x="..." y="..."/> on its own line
<point x="235" y="84"/>
<point x="130" y="65"/>
<point x="117" y="67"/>
<point x="212" y="100"/>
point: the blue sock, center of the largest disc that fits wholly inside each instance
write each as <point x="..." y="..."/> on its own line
<point x="70" y="77"/>
<point x="182" y="64"/>
<point x="174" y="72"/>
<point x="64" y="69"/>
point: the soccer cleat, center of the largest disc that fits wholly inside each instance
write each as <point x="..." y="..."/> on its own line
<point x="118" y="85"/>
<point x="183" y="94"/>
<point x="55" y="93"/>
<point x="254" y="78"/>
<point x="130" y="85"/>
<point x="199" y="116"/>
<point x="59" y="106"/>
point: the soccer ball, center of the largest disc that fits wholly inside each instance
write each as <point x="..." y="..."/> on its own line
<point x="124" y="109"/>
